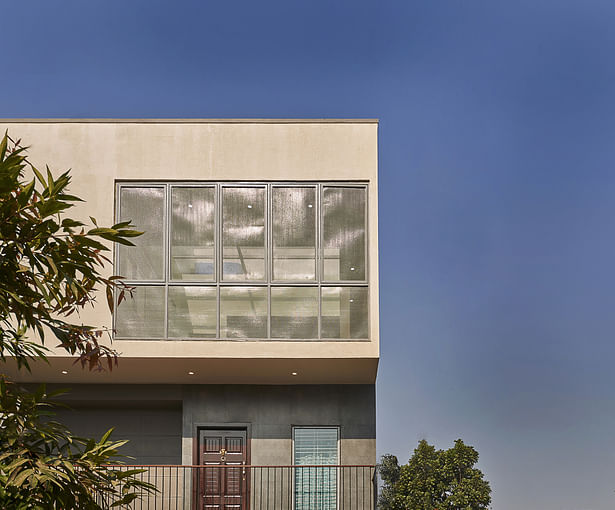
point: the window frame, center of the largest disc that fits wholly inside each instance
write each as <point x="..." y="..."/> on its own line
<point x="335" y="466"/>
<point x="218" y="282"/>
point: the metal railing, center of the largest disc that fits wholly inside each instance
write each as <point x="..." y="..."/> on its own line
<point x="302" y="487"/>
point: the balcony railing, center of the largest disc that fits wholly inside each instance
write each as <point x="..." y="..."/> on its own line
<point x="242" y="487"/>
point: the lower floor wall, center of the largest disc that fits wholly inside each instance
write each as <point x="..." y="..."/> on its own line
<point x="163" y="422"/>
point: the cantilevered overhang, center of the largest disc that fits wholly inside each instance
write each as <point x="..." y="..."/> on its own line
<point x="205" y="371"/>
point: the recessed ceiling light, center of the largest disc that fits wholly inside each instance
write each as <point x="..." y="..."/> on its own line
<point x="249" y="206"/>
<point x="191" y="372"/>
<point x="352" y="268"/>
<point x="293" y="373"/>
<point x="310" y="206"/>
<point x="352" y="300"/>
<point x="65" y="372"/>
<point x="190" y="205"/>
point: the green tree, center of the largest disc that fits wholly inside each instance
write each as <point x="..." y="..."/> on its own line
<point x="434" y="480"/>
<point x="51" y="267"/>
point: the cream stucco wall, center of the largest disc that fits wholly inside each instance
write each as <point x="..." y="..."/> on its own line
<point x="100" y="152"/>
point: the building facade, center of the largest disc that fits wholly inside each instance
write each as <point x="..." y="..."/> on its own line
<point x="252" y="337"/>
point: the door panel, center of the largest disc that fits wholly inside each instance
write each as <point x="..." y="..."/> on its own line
<point x="223" y="488"/>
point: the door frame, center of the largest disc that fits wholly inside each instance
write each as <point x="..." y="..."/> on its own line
<point x="196" y="430"/>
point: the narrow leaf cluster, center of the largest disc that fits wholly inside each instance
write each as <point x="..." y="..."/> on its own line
<point x="43" y="466"/>
<point x="50" y="265"/>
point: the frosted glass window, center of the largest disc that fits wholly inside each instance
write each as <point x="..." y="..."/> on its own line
<point x="192" y="233"/>
<point x="315" y="487"/>
<point x="192" y="312"/>
<point x="145" y="207"/>
<point x="344" y="312"/>
<point x="141" y="316"/>
<point x="243" y="233"/>
<point x="243" y="312"/>
<point x="343" y="233"/>
<point x="294" y="233"/>
<point x="294" y="312"/>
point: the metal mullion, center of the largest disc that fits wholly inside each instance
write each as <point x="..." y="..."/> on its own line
<point x="116" y="256"/>
<point x="319" y="311"/>
<point x="319" y="257"/>
<point x="268" y="311"/>
<point x="268" y="254"/>
<point x="345" y="284"/>
<point x="218" y="311"/>
<point x="166" y="228"/>
<point x="143" y="282"/>
<point x="250" y="283"/>
<point x="321" y="248"/>
<point x="218" y="253"/>
<point x="367" y="191"/>
<point x="269" y="234"/>
<point x="367" y="229"/>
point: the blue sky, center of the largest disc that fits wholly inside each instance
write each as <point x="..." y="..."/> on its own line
<point x="496" y="189"/>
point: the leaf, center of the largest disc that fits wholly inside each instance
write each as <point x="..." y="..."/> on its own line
<point x="3" y="145"/>
<point x="70" y="223"/>
<point x="39" y="176"/>
<point x="26" y="193"/>
<point x="18" y="480"/>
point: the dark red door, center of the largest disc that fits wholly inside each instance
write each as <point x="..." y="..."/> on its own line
<point x="223" y="488"/>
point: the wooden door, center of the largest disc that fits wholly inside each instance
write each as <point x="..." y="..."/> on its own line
<point x="223" y="488"/>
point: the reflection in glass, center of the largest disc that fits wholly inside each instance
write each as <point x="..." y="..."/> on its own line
<point x="145" y="207"/>
<point x="243" y="233"/>
<point x="344" y="312"/>
<point x="141" y="316"/>
<point x="243" y="312"/>
<point x="294" y="312"/>
<point x="294" y="233"/>
<point x="192" y="312"/>
<point x="344" y="233"/>
<point x="192" y="233"/>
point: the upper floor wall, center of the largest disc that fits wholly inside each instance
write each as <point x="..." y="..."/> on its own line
<point x="108" y="156"/>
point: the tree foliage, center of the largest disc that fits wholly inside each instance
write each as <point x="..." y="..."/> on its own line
<point x="434" y="480"/>
<point x="51" y="267"/>
<point x="43" y="466"/>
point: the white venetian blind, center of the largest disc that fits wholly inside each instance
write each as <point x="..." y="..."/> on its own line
<point x="315" y="446"/>
<point x="316" y="487"/>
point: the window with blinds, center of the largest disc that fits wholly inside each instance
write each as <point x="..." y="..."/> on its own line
<point x="316" y="448"/>
<point x="224" y="260"/>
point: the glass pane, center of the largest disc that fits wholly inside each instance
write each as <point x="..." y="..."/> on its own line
<point x="243" y="312"/>
<point x="141" y="316"/>
<point x="192" y="233"/>
<point x="316" y="487"/>
<point x="294" y="312"/>
<point x="145" y="207"/>
<point x="294" y="233"/>
<point x="344" y="234"/>
<point x="243" y="232"/>
<point x="192" y="312"/>
<point x="344" y="312"/>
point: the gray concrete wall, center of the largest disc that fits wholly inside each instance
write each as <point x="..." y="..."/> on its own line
<point x="161" y="420"/>
<point x="153" y="429"/>
<point x="272" y="411"/>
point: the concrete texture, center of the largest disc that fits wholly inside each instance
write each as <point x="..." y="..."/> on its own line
<point x="161" y="420"/>
<point x="101" y="152"/>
